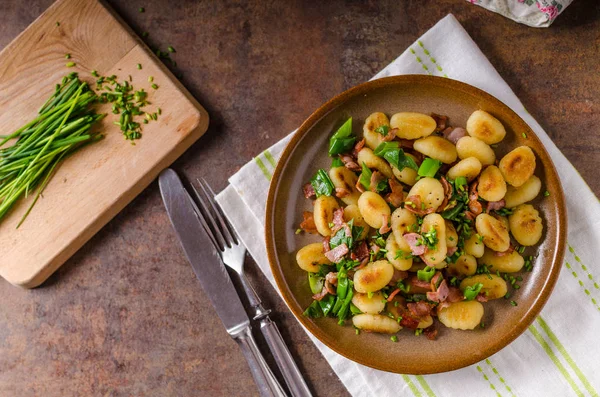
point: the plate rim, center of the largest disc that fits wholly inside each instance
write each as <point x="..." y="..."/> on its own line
<point x="559" y="248"/>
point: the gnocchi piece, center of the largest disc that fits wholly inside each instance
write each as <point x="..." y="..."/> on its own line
<point x="374" y="121"/>
<point x="494" y="232"/>
<point x="491" y="185"/>
<point x="493" y="286"/>
<point x="526" y="192"/>
<point x="345" y="179"/>
<point x="485" y="127"/>
<point x="526" y="225"/>
<point x="373" y="305"/>
<point x="518" y="165"/>
<point x="465" y="265"/>
<point x="462" y="315"/>
<point x="403" y="221"/>
<point x="374" y="209"/>
<point x="407" y="175"/>
<point x="413" y="125"/>
<point x="509" y="263"/>
<point x="437" y="148"/>
<point x="323" y="214"/>
<point x="373" y="277"/>
<point x="451" y="235"/>
<point x="398" y="252"/>
<point x="469" y="146"/>
<point x="430" y="191"/>
<point x="425" y="322"/>
<point x="352" y="212"/>
<point x="435" y="257"/>
<point x="311" y="257"/>
<point x="469" y="167"/>
<point x="474" y="246"/>
<point x="372" y="161"/>
<point x="376" y="323"/>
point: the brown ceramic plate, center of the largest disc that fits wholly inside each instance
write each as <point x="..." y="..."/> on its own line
<point x="307" y="152"/>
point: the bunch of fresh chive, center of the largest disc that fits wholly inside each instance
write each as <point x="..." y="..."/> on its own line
<point x="63" y="126"/>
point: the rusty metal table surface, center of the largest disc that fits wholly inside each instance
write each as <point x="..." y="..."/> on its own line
<point x="125" y="315"/>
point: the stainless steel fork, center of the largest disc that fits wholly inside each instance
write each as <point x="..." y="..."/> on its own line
<point x="233" y="253"/>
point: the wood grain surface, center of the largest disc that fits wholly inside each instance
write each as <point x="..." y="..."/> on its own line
<point x="125" y="316"/>
<point x="91" y="187"/>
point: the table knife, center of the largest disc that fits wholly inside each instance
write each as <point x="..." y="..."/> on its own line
<point x="213" y="277"/>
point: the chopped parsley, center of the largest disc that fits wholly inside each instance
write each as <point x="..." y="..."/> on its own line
<point x="342" y="140"/>
<point x="472" y="291"/>
<point x="322" y="183"/>
<point x="394" y="338"/>
<point x="513" y="303"/>
<point x="546" y="193"/>
<point x="418" y="331"/>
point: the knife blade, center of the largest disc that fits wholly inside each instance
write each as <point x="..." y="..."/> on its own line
<point x="202" y="254"/>
<point x="216" y="283"/>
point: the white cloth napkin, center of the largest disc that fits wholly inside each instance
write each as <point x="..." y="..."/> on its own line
<point x="535" y="13"/>
<point x="559" y="355"/>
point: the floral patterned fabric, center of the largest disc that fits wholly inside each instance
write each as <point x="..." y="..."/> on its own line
<point x="536" y="13"/>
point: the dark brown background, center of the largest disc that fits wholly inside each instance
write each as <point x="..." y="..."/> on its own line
<point x="125" y="316"/>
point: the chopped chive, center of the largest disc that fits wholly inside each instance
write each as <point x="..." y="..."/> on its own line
<point x="394" y="338"/>
<point x="94" y="73"/>
<point x="546" y="193"/>
<point x="68" y="56"/>
<point x="150" y="79"/>
<point x="171" y="49"/>
<point x="524" y="135"/>
<point x="513" y="303"/>
<point x="154" y="86"/>
<point x="159" y="111"/>
<point x="142" y="9"/>
<point x="57" y="23"/>
<point x="70" y="64"/>
<point x="139" y="66"/>
<point x="298" y="231"/>
<point x="356" y="331"/>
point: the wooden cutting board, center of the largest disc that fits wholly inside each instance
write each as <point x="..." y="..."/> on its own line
<point x="92" y="186"/>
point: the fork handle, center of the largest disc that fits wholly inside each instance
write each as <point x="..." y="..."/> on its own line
<point x="267" y="384"/>
<point x="289" y="370"/>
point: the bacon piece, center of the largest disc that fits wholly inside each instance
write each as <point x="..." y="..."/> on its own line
<point x="331" y="277"/>
<point x="375" y="248"/>
<point x="359" y="145"/>
<point x="376" y="177"/>
<point x="412" y="239"/>
<point x="321" y="294"/>
<point x="350" y="162"/>
<point x="426" y="260"/>
<point x="396" y="197"/>
<point x="359" y="186"/>
<point x="420" y="309"/>
<point x="335" y="255"/>
<point x="454" y="134"/>
<point x="326" y="247"/>
<point x="447" y="194"/>
<point x="451" y="251"/>
<point x="481" y="298"/>
<point x="420" y="286"/>
<point x="394" y="293"/>
<point x="430" y="332"/>
<point x="408" y="321"/>
<point x="454" y="295"/>
<point x="495" y="205"/>
<point x="415" y="206"/>
<point x="435" y="280"/>
<point x="338" y="218"/>
<point x="308" y="224"/>
<point x="474" y="204"/>
<point x="440" y="120"/>
<point x="390" y="135"/>
<point x="360" y="252"/>
<point x="510" y="249"/>
<point x="364" y="263"/>
<point x="385" y="224"/>
<point x="309" y="190"/>
<point x="441" y="294"/>
<point x="397" y="276"/>
<point x="470" y="216"/>
<point x="341" y="192"/>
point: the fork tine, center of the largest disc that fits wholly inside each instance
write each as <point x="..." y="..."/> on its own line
<point x="216" y="231"/>
<point x="203" y="222"/>
<point x="225" y="225"/>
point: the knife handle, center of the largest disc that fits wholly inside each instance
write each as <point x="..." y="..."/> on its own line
<point x="267" y="384"/>
<point x="291" y="373"/>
